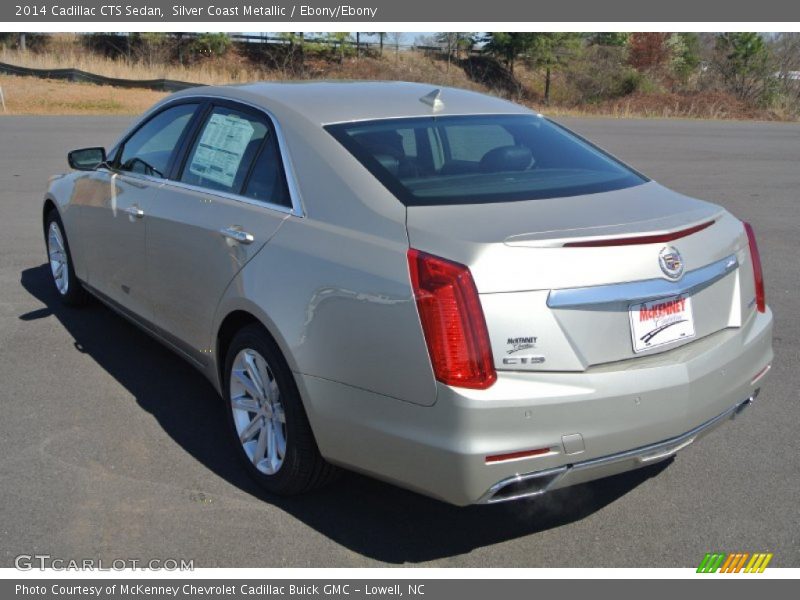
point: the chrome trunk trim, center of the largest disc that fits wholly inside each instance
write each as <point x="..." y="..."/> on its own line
<point x="640" y="291"/>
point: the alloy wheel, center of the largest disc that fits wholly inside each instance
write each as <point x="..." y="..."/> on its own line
<point x="59" y="263"/>
<point x="258" y="414"/>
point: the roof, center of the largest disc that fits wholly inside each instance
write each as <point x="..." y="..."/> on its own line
<point x="325" y="102"/>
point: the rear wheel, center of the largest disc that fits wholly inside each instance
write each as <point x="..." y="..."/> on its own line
<point x="267" y="420"/>
<point x="67" y="285"/>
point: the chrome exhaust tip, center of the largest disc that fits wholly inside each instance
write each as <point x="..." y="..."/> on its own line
<point x="744" y="404"/>
<point x="523" y="486"/>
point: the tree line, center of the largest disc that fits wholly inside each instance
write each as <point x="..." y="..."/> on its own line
<point x="756" y="68"/>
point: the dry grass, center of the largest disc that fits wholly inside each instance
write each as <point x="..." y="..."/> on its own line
<point x="407" y="66"/>
<point x="71" y="56"/>
<point x="32" y="96"/>
<point x="233" y="68"/>
<point x="667" y="105"/>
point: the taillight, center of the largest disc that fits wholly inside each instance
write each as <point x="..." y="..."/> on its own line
<point x="452" y="321"/>
<point x="758" y="274"/>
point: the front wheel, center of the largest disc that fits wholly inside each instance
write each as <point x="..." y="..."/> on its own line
<point x="267" y="420"/>
<point x="67" y="285"/>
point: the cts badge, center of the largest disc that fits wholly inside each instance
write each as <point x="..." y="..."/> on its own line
<point x="671" y="262"/>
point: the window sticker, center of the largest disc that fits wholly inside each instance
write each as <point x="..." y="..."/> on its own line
<point x="221" y="148"/>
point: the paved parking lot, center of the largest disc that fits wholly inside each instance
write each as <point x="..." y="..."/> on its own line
<point x="112" y="447"/>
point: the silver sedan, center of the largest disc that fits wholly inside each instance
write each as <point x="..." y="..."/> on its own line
<point x="435" y="287"/>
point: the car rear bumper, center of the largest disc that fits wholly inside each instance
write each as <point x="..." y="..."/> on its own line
<point x="527" y="485"/>
<point x="604" y="421"/>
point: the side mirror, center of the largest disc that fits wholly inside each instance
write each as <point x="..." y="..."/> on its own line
<point x="86" y="159"/>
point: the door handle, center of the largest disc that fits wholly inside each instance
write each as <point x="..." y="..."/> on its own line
<point x="134" y="211"/>
<point x="236" y="234"/>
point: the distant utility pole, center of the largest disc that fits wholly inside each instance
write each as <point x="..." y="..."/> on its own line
<point x="22" y="45"/>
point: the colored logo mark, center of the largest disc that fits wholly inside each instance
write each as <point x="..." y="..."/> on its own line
<point x="735" y="562"/>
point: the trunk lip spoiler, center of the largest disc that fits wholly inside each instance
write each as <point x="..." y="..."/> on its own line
<point x="610" y="236"/>
<point x="639" y="239"/>
<point x="643" y="290"/>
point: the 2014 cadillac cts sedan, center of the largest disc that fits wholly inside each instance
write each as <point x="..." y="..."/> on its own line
<point x="435" y="287"/>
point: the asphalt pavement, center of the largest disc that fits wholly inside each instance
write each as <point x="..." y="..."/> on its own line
<point x="112" y="447"/>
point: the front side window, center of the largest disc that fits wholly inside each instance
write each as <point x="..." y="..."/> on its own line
<point x="480" y="159"/>
<point x="149" y="150"/>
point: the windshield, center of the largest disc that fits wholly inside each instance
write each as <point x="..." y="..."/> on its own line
<point x="480" y="159"/>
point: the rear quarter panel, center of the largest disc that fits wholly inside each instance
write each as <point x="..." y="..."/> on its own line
<point x="333" y="285"/>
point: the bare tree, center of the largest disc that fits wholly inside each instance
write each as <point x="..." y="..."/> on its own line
<point x="785" y="50"/>
<point x="395" y="37"/>
<point x="453" y="42"/>
<point x="382" y="35"/>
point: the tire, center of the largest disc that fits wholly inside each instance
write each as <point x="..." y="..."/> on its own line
<point x="269" y="429"/>
<point x="69" y="289"/>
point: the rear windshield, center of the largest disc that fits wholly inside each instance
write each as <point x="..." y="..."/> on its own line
<point x="481" y="159"/>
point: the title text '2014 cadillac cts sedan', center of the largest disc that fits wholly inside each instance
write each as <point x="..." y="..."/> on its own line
<point x="435" y="287"/>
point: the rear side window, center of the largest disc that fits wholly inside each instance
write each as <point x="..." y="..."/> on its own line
<point x="237" y="152"/>
<point x="480" y="159"/>
<point x="149" y="150"/>
<point x="224" y="150"/>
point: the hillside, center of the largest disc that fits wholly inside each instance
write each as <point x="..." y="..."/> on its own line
<point x="571" y="91"/>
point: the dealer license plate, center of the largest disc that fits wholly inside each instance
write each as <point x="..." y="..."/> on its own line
<point x="660" y="322"/>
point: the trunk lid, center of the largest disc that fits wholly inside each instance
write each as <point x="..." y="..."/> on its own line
<point x="551" y="307"/>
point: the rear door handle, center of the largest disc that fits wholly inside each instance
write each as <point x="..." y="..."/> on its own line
<point x="134" y="211"/>
<point x="235" y="233"/>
